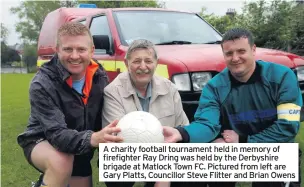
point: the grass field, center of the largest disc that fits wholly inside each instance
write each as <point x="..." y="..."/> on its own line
<point x="14" y="112"/>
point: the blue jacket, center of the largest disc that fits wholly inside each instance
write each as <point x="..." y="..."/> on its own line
<point x="265" y="109"/>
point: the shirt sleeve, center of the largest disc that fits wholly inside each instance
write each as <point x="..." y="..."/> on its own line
<point x="112" y="107"/>
<point x="181" y="118"/>
<point x="289" y="103"/>
<point x="206" y="125"/>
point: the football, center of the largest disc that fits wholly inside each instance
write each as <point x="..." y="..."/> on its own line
<point x="140" y="127"/>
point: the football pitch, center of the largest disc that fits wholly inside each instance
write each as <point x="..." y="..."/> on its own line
<point x="15" y="171"/>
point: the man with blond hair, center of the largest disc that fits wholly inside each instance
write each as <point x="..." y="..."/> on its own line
<point x="66" y="98"/>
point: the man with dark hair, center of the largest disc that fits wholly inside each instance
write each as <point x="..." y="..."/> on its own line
<point x="66" y="97"/>
<point x="247" y="102"/>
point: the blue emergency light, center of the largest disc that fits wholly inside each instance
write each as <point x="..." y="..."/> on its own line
<point x="86" y="6"/>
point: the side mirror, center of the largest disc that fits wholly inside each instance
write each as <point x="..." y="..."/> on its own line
<point x="102" y="42"/>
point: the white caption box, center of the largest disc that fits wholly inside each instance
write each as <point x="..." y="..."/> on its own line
<point x="199" y="162"/>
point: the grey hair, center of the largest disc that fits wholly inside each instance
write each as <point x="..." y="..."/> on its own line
<point x="140" y="44"/>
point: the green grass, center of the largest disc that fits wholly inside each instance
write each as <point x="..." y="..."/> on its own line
<point x="15" y="112"/>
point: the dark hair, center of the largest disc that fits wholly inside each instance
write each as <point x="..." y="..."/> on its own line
<point x="237" y="33"/>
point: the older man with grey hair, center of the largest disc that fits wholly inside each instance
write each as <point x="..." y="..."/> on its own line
<point x="139" y="89"/>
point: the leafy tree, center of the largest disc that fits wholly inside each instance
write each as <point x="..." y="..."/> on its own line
<point x="254" y="18"/>
<point x="4" y="32"/>
<point x="279" y="25"/>
<point x="30" y="56"/>
<point x="297" y="25"/>
<point x="4" y="52"/>
<point x="8" y="55"/>
<point x="275" y="24"/>
<point x="32" y="14"/>
<point x="220" y="23"/>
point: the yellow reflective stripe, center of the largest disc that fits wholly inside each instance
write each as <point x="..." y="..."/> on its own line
<point x="40" y="62"/>
<point x="289" y="111"/>
<point x="289" y="117"/>
<point x="162" y="70"/>
<point x="108" y="65"/>
<point x="121" y="65"/>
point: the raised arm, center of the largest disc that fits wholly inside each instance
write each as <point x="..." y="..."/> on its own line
<point x="206" y="125"/>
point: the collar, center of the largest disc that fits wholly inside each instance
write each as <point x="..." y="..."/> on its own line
<point x="63" y="73"/>
<point x="149" y="92"/>
<point x="256" y="76"/>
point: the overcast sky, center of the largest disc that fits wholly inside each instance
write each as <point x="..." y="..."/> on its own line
<point x="218" y="7"/>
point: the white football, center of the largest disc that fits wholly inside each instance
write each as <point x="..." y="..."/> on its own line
<point x="140" y="127"/>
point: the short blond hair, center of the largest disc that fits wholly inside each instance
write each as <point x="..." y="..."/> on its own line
<point x="73" y="29"/>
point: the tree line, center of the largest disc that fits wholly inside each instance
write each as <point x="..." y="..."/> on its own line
<point x="8" y="55"/>
<point x="276" y="24"/>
